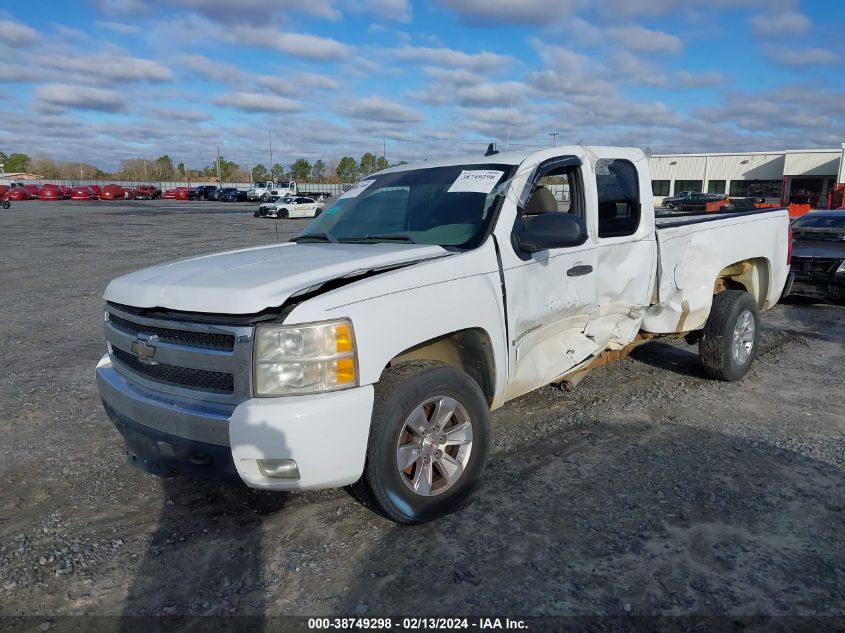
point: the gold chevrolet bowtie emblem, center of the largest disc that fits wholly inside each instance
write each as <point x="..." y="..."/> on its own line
<point x="143" y="348"/>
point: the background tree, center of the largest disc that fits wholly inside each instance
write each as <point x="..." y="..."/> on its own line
<point x="17" y="162"/>
<point x="382" y="163"/>
<point x="259" y="172"/>
<point x="347" y="169"/>
<point x="368" y="164"/>
<point x="180" y="169"/>
<point x="163" y="168"/>
<point x="318" y="171"/>
<point x="300" y="170"/>
<point x="277" y="171"/>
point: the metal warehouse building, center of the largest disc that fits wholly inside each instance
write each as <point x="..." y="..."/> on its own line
<point x="814" y="176"/>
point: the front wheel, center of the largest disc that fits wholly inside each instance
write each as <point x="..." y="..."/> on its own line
<point x="283" y="214"/>
<point x="429" y="439"/>
<point x="6" y="204"/>
<point x="731" y="335"/>
<point x="265" y="198"/>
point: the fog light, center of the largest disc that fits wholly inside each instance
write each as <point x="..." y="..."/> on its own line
<point x="278" y="468"/>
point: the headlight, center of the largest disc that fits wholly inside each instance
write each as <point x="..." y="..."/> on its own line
<point x="308" y="358"/>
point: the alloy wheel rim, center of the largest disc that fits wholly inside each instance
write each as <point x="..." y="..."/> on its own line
<point x="434" y="446"/>
<point x="743" y="337"/>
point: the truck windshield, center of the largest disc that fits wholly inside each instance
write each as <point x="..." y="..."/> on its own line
<point x="444" y="206"/>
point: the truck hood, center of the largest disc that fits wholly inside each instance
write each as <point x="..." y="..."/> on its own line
<point x="251" y="280"/>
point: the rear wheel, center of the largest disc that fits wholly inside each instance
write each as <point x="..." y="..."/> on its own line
<point x="429" y="440"/>
<point x="731" y="335"/>
<point x="6" y="204"/>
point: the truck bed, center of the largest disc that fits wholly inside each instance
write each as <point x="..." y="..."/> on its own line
<point x="694" y="250"/>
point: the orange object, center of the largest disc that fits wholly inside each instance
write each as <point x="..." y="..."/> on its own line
<point x="797" y="210"/>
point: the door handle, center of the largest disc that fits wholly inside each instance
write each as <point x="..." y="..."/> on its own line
<point x="577" y="271"/>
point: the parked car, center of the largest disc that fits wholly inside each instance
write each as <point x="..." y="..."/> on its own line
<point x="116" y="192"/>
<point x="82" y="193"/>
<point x="699" y="202"/>
<point x="818" y="255"/>
<point x="50" y="191"/>
<point x="147" y="192"/>
<point x="96" y="190"/>
<point x="672" y="201"/>
<point x="34" y="191"/>
<point x="299" y="207"/>
<point x="170" y="194"/>
<point x="371" y="348"/>
<point x="232" y="194"/>
<point x="186" y="193"/>
<point x="17" y="194"/>
<point x="207" y="192"/>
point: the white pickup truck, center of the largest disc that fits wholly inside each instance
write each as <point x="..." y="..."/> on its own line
<point x="266" y="190"/>
<point x="371" y="349"/>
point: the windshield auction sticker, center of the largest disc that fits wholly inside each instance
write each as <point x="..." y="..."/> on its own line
<point x="476" y="181"/>
<point x="356" y="189"/>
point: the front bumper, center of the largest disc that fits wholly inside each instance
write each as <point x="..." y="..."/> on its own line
<point x="326" y="434"/>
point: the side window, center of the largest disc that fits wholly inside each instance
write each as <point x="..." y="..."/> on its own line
<point x="618" y="190"/>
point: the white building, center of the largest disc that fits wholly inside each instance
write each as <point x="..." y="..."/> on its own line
<point x="789" y="175"/>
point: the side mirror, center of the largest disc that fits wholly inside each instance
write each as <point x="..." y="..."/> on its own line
<point x="552" y="230"/>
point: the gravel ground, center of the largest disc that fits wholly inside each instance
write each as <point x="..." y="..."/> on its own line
<point x="647" y="490"/>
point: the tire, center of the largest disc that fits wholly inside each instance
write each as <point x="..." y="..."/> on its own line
<point x="6" y="204"/>
<point x="256" y="215"/>
<point x="282" y="214"/>
<point x="423" y="387"/>
<point x="265" y="198"/>
<point x="317" y="212"/>
<point x="731" y="336"/>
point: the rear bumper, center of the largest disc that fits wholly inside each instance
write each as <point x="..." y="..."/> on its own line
<point x="326" y="434"/>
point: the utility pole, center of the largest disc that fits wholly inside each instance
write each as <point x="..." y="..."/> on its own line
<point x="554" y="138"/>
<point x="145" y="170"/>
<point x="217" y="162"/>
<point x="384" y="148"/>
<point x="270" y="138"/>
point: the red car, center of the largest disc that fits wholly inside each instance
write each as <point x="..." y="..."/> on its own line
<point x="169" y="193"/>
<point x="34" y="191"/>
<point x="147" y="192"/>
<point x="17" y="194"/>
<point x="186" y="193"/>
<point x="96" y="190"/>
<point x="116" y="192"/>
<point x="82" y="193"/>
<point x="54" y="192"/>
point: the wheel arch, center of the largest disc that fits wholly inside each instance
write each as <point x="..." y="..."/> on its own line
<point x="752" y="275"/>
<point x="469" y="350"/>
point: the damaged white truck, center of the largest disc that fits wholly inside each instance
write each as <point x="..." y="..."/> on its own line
<point x="371" y="349"/>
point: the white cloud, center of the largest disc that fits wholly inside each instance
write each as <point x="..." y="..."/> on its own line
<point x="290" y="84"/>
<point x="524" y="12"/>
<point x="702" y="79"/>
<point x="257" y="102"/>
<point x="377" y="108"/>
<point x="259" y="11"/>
<point x="177" y="114"/>
<point x="642" y="40"/>
<point x="785" y="23"/>
<point x="803" y="57"/>
<point x="211" y="68"/>
<point x="17" y="34"/>
<point x="111" y="67"/>
<point x="64" y="96"/>
<point x="118" y="27"/>
<point x="480" y="62"/>
<point x="387" y="10"/>
<point x="17" y="74"/>
<point x="304" y="45"/>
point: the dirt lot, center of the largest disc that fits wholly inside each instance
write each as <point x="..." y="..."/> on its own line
<point x="648" y="490"/>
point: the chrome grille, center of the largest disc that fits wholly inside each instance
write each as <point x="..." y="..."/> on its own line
<point x="190" y="359"/>
<point x="197" y="339"/>
<point x="184" y="376"/>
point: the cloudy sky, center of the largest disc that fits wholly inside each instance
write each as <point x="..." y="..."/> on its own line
<point x="111" y="79"/>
